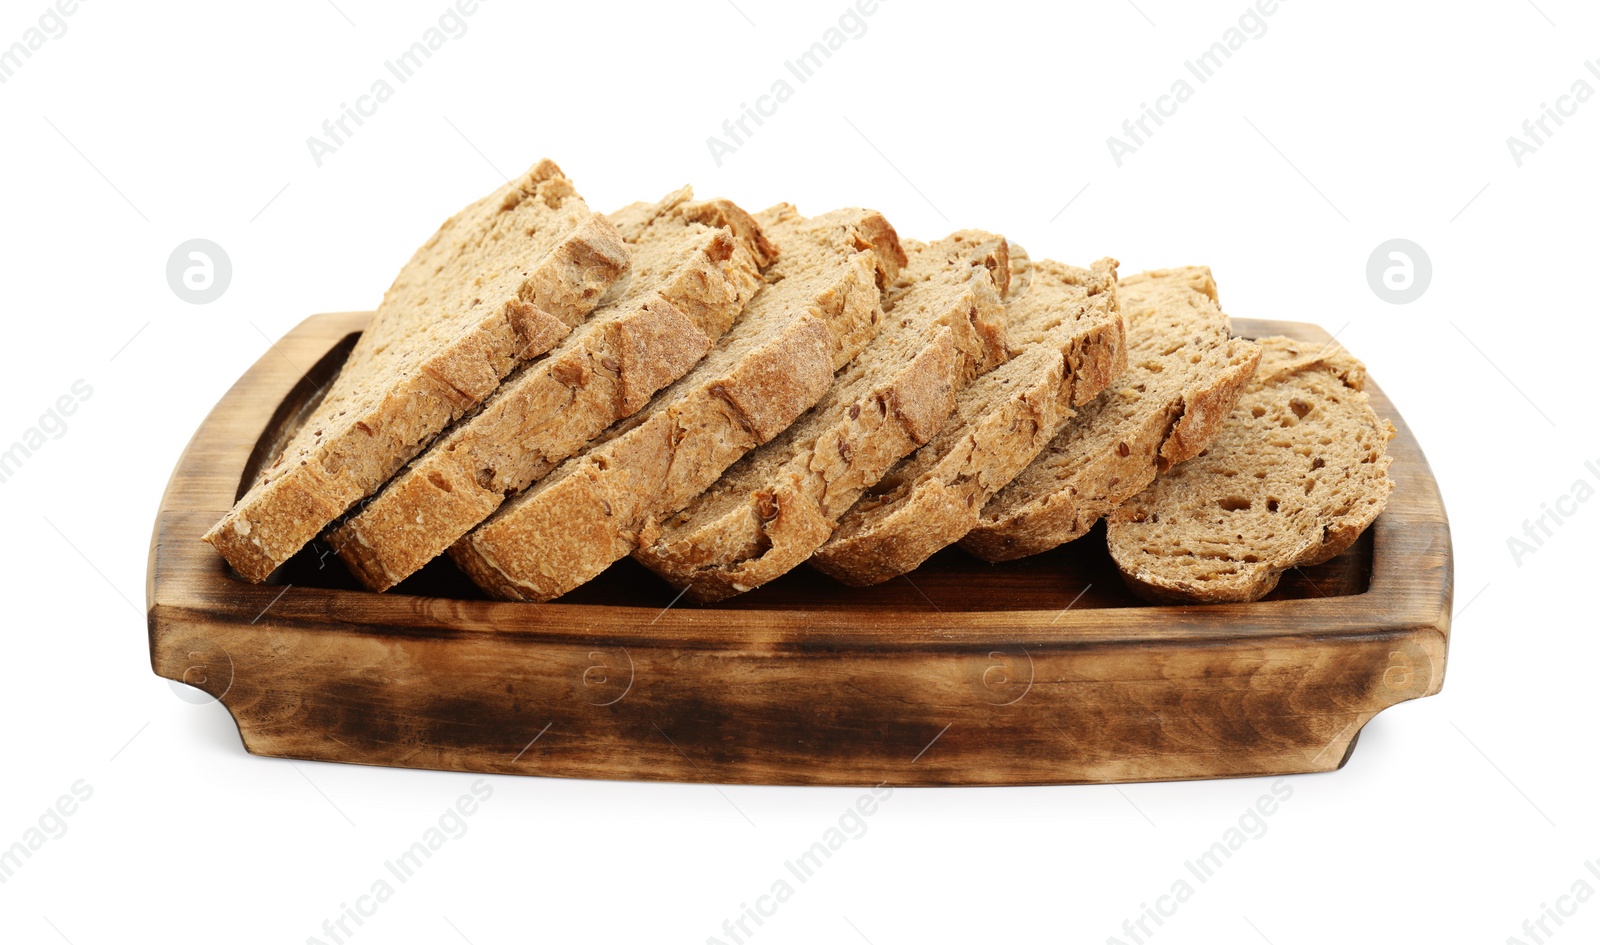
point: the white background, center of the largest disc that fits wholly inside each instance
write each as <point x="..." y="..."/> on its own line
<point x="1342" y="126"/>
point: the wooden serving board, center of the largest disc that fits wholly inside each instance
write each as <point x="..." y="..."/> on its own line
<point x="1041" y="671"/>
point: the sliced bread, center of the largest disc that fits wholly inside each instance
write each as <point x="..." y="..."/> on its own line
<point x="822" y="304"/>
<point x="501" y="282"/>
<point x="774" y="507"/>
<point x="1070" y="342"/>
<point x="688" y="283"/>
<point x="1295" y="476"/>
<point x="1183" y="377"/>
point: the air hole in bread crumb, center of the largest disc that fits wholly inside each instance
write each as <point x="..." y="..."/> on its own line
<point x="1272" y="505"/>
<point x="1234" y="503"/>
<point x="1318" y="463"/>
<point x="1300" y="407"/>
<point x="1258" y="411"/>
<point x="440" y="482"/>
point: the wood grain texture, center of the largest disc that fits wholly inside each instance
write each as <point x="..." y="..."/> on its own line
<point x="1039" y="671"/>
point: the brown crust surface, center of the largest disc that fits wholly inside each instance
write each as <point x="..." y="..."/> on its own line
<point x="501" y="282"/>
<point x="1296" y="475"/>
<point x="689" y="283"/>
<point x="1072" y="343"/>
<point x="771" y="510"/>
<point x="1184" y="375"/>
<point x="821" y="306"/>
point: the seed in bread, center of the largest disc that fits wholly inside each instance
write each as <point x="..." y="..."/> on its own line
<point x="1183" y="377"/>
<point x="1295" y="476"/>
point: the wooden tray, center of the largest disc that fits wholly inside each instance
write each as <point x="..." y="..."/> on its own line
<point x="1041" y="671"/>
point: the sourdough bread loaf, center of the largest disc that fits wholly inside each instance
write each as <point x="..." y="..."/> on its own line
<point x="774" y="507"/>
<point x="1296" y="474"/>
<point x="1069" y="337"/>
<point x="501" y="282"/>
<point x="1184" y="375"/>
<point x="688" y="283"/>
<point x="821" y="305"/>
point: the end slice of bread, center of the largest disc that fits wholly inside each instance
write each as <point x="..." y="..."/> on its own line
<point x="501" y="282"/>
<point x="820" y="307"/>
<point x="1295" y="476"/>
<point x="1183" y="377"/>
<point x="1070" y="341"/>
<point x="777" y="505"/>
<point x="688" y="284"/>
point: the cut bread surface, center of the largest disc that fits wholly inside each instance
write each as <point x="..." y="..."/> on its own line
<point x="1069" y="337"/>
<point x="688" y="283"/>
<point x="1184" y="374"/>
<point x="777" y="505"/>
<point x="1296" y="474"/>
<point x="820" y="306"/>
<point x="502" y="281"/>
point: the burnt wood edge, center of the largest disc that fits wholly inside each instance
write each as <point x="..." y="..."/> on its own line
<point x="189" y="587"/>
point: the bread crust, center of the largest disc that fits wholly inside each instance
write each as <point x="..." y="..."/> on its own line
<point x="405" y="382"/>
<point x="651" y="335"/>
<point x="1306" y="397"/>
<point x="775" y="507"/>
<point x="1003" y="421"/>
<point x="1053" y="502"/>
<point x="600" y="505"/>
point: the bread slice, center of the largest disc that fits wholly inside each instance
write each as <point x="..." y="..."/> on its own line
<point x="688" y="283"/>
<point x="820" y="307"/>
<point x="1295" y="476"/>
<point x="1184" y="374"/>
<point x="1070" y="341"/>
<point x="774" y="507"/>
<point x="501" y="282"/>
